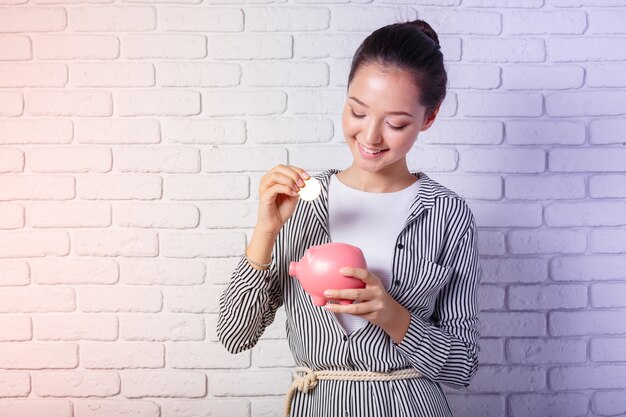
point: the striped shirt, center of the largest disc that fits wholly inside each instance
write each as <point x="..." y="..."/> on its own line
<point x="436" y="273"/>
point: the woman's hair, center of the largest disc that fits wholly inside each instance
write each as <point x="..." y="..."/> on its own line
<point x="412" y="46"/>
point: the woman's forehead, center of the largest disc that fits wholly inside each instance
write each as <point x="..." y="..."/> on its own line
<point x="384" y="86"/>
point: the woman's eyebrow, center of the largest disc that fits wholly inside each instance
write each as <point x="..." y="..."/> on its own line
<point x="399" y="113"/>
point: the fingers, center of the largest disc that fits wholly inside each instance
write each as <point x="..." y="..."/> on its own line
<point x="359" y="309"/>
<point x="288" y="176"/>
<point x="360" y="273"/>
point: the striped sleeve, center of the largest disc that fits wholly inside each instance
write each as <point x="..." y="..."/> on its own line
<point x="247" y="306"/>
<point x="446" y="349"/>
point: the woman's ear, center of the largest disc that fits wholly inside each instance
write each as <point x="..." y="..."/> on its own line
<point x="430" y="118"/>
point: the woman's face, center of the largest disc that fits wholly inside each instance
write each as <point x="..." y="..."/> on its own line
<point x="382" y="118"/>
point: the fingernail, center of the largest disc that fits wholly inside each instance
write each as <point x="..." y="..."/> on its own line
<point x="328" y="293"/>
<point x="343" y="270"/>
<point x="306" y="176"/>
<point x="300" y="182"/>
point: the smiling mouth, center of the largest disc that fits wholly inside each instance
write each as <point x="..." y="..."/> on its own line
<point x="371" y="151"/>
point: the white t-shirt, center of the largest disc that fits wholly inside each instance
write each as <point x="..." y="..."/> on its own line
<point x="371" y="222"/>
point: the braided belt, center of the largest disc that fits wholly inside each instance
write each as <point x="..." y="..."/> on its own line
<point x="305" y="379"/>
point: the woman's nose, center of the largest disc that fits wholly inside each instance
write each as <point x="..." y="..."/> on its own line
<point x="371" y="133"/>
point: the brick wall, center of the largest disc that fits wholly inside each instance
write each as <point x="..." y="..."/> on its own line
<point x="132" y="138"/>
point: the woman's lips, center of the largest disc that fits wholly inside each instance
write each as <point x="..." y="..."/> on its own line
<point x="369" y="155"/>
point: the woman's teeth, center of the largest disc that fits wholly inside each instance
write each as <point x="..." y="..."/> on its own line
<point x="370" y="151"/>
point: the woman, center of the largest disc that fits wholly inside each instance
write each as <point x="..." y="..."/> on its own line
<point x="414" y="325"/>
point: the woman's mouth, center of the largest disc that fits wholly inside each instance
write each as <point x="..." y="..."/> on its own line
<point x="370" y="153"/>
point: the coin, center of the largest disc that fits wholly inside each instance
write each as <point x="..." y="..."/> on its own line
<point x="311" y="189"/>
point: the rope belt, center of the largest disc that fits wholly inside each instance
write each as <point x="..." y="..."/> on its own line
<point x="309" y="379"/>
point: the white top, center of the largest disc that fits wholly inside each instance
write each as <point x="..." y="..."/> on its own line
<point x="371" y="222"/>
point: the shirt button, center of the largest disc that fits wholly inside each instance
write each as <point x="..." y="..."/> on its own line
<point x="267" y="279"/>
<point x="345" y="338"/>
<point x="400" y="246"/>
<point x="397" y="282"/>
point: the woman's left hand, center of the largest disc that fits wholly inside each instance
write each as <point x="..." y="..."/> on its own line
<point x="374" y="303"/>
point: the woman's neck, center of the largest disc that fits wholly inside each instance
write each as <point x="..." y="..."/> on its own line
<point x="375" y="182"/>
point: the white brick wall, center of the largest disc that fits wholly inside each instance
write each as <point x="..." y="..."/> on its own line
<point x="132" y="139"/>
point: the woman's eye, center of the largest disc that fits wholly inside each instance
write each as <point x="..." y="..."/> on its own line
<point x="397" y="127"/>
<point x="358" y="116"/>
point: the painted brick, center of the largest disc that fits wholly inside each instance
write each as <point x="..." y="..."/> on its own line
<point x="607" y="240"/>
<point x="503" y="50"/>
<point x="159" y="327"/>
<point x="552" y="22"/>
<point x="36" y="408"/>
<point x="508" y="214"/>
<point x="168" y="159"/>
<point x="585" y="103"/>
<point x="490" y="297"/>
<point x="191" y="245"/>
<point x="499" y="324"/>
<point x="241" y="159"/>
<point x="62" y="103"/>
<point x="164" y="102"/>
<point x="249" y="383"/>
<point x="14" y="384"/>
<point x="115" y="243"/>
<point x="586" y="49"/>
<point x="605" y="75"/>
<point x="161" y="272"/>
<point x="250" y="46"/>
<point x="120" y="187"/>
<point x="34" y="243"/>
<point x="76" y="47"/>
<point x="16" y="48"/>
<point x="112" y="299"/>
<point x="588" y="268"/>
<point x="606" y="131"/>
<point x="38" y="356"/>
<point x="117" y="131"/>
<point x="109" y="74"/>
<point x="608" y="295"/>
<point x="201" y="19"/>
<point x="33" y="19"/>
<point x="163" y="215"/>
<point x="198" y="74"/>
<point x="69" y="159"/>
<point x="553" y="77"/>
<point x="608" y="349"/>
<point x="166" y="46"/>
<point x="113" y="19"/>
<point x="524" y="242"/>
<point x="186" y="355"/>
<point x="76" y="384"/>
<point x="287" y="130"/>
<point x="115" y="408"/>
<point x="73" y="271"/>
<point x="285" y="18"/>
<point x="75" y="327"/>
<point x="607" y="21"/>
<point x="540" y="132"/>
<point x="47" y="131"/>
<point x="607" y="213"/>
<point x="574" y="404"/>
<point x="193" y="299"/>
<point x="495" y="379"/>
<point x="204" y="131"/>
<point x="544" y="187"/>
<point x="180" y="384"/>
<point x="578" y="323"/>
<point x="14" y="272"/>
<point x="609" y="403"/>
<point x="541" y="351"/>
<point x="15" y="329"/>
<point x="122" y="355"/>
<point x="546" y="297"/>
<point x="294" y="73"/>
<point x="221" y="407"/>
<point x="503" y="160"/>
<point x="586" y="377"/>
<point x="500" y="104"/>
<point x="243" y="103"/>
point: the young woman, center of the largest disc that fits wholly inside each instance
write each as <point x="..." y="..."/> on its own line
<point x="414" y="325"/>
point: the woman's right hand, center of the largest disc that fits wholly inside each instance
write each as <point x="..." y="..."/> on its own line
<point x="278" y="197"/>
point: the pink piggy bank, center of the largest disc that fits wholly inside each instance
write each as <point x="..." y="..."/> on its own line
<point x="318" y="270"/>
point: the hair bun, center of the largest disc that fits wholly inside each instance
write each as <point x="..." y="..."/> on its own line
<point x="426" y="29"/>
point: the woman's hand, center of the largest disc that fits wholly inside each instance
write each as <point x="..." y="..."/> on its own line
<point x="278" y="197"/>
<point x="375" y="304"/>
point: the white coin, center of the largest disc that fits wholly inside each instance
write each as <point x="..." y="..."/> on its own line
<point x="311" y="189"/>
